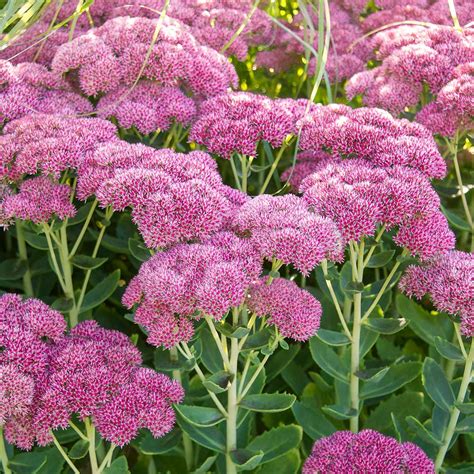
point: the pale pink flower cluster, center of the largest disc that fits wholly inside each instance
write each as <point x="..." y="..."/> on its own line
<point x="49" y="144"/>
<point x="372" y="134"/>
<point x="283" y="228"/>
<point x="28" y="329"/>
<point x="295" y="312"/>
<point x="148" y="107"/>
<point x="28" y="88"/>
<point x="359" y="197"/>
<point x="412" y="58"/>
<point x="46" y="377"/>
<point x="367" y="451"/>
<point x="174" y="197"/>
<point x="236" y="122"/>
<point x="449" y="281"/>
<point x="114" y="54"/>
<point x="188" y="281"/>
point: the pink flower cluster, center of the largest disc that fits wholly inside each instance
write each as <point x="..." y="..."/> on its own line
<point x="46" y="377"/>
<point x="28" y="88"/>
<point x="190" y="280"/>
<point x="295" y="312"/>
<point x="412" y="57"/>
<point x="236" y="122"/>
<point x="148" y="107"/>
<point x="372" y="134"/>
<point x="28" y="329"/>
<point x="114" y="54"/>
<point x="449" y="281"/>
<point x="49" y="144"/>
<point x="283" y="228"/>
<point x="367" y="451"/>
<point x="359" y="197"/>
<point x="174" y="197"/>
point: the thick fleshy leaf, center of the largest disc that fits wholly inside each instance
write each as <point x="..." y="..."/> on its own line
<point x="448" y="350"/>
<point x="268" y="402"/>
<point x="246" y="460"/>
<point x="386" y="325"/>
<point x="101" y="292"/>
<point x="327" y="359"/>
<point x="200" y="416"/>
<point x="436" y="384"/>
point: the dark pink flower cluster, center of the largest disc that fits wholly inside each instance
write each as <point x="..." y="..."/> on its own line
<point x="283" y="228"/>
<point x="174" y="197"/>
<point x="28" y="330"/>
<point x="190" y="280"/>
<point x="28" y="88"/>
<point x="359" y="197"/>
<point x="49" y="144"/>
<point x="295" y="312"/>
<point x="38" y="200"/>
<point x="367" y="451"/>
<point x="236" y="122"/>
<point x="96" y="372"/>
<point x="372" y="134"/>
<point x="148" y="107"/>
<point x="114" y="54"/>
<point x="449" y="281"/>
<point x="412" y="57"/>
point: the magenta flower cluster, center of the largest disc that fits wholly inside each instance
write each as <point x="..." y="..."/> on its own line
<point x="46" y="377"/>
<point x="448" y="279"/>
<point x="366" y="451"/>
<point x="360" y="197"/>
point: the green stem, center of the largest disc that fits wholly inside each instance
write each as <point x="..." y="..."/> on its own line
<point x="64" y="455"/>
<point x="3" y="454"/>
<point x="84" y="229"/>
<point x="77" y="430"/>
<point x="243" y="161"/>
<point x="67" y="273"/>
<point x="215" y="335"/>
<point x="90" y="430"/>
<point x="454" y="412"/>
<point x="232" y="407"/>
<point x="187" y="443"/>
<point x="23" y="254"/>
<point x="52" y="253"/>
<point x="274" y="166"/>
<point x="235" y="173"/>
<point x="358" y="269"/>
<point x="108" y="458"/>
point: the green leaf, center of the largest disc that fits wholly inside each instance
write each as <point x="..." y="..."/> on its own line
<point x="218" y="382"/>
<point x="276" y="442"/>
<point x="466" y="425"/>
<point x="27" y="463"/>
<point x="62" y="304"/>
<point x="287" y="464"/>
<point x="405" y="404"/>
<point x="87" y="263"/>
<point x="246" y="460"/>
<point x="448" y="350"/>
<point x="54" y="461"/>
<point x="280" y="361"/>
<point x="380" y="259"/>
<point x="81" y="215"/>
<point x="422" y="432"/>
<point x="436" y="385"/>
<point x="456" y="221"/>
<point x="200" y="416"/>
<point x="113" y="244"/>
<point x="425" y="325"/>
<point x="36" y="241"/>
<point x="268" y="402"/>
<point x="162" y="361"/>
<point x="258" y="340"/>
<point x="339" y="412"/>
<point x="152" y="446"/>
<point x="312" y="420"/>
<point x="396" y="377"/>
<point x="205" y="467"/>
<point x="328" y="360"/>
<point x="79" y="449"/>
<point x="119" y="466"/>
<point x="138" y="250"/>
<point x="333" y="338"/>
<point x="211" y="438"/>
<point x="353" y="287"/>
<point x="467" y="408"/>
<point x="385" y="325"/>
<point x="230" y="331"/>
<point x="101" y="292"/>
<point x="12" y="269"/>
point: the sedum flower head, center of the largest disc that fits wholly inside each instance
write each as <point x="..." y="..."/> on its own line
<point x="295" y="312"/>
<point x="449" y="281"/>
<point x="368" y="451"/>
